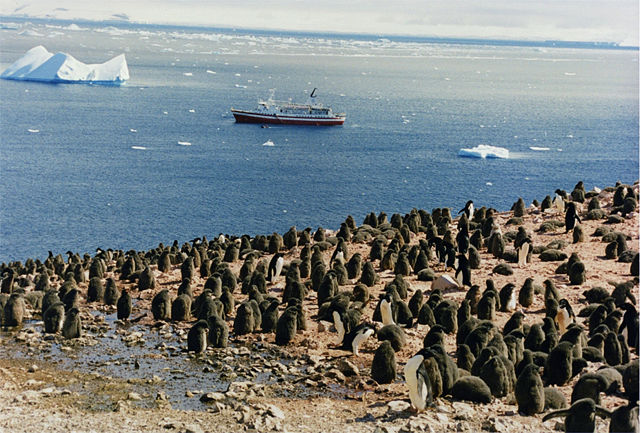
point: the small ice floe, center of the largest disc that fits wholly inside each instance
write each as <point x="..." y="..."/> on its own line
<point x="237" y="75"/>
<point x="489" y="184"/>
<point x="240" y="86"/>
<point x="559" y="150"/>
<point x="539" y="148"/>
<point x="210" y="71"/>
<point x="570" y="136"/>
<point x="268" y="143"/>
<point x="33" y="131"/>
<point x="138" y="147"/>
<point x="184" y="143"/>
<point x="188" y="74"/>
<point x="569" y="74"/>
<point x="485" y="151"/>
<point x="133" y="130"/>
<point x="192" y="110"/>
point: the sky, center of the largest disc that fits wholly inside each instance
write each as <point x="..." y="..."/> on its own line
<point x="570" y="20"/>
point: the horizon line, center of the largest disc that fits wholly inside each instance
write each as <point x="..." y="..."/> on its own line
<point x="462" y="40"/>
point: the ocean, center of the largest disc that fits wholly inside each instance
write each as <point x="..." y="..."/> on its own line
<point x="161" y="158"/>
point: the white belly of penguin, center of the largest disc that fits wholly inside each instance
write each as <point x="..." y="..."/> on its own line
<point x="385" y="312"/>
<point x="357" y="341"/>
<point x="417" y="393"/>
<point x="337" y="322"/>
<point x="511" y="303"/>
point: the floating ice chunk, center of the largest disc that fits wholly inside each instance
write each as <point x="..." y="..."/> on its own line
<point x="210" y="71"/>
<point x="133" y="130"/>
<point x="184" y="143"/>
<point x="240" y="86"/>
<point x="485" y="151"/>
<point x="33" y="131"/>
<point x="268" y="143"/>
<point x="539" y="148"/>
<point x="489" y="184"/>
<point x="192" y="110"/>
<point x="38" y="64"/>
<point x="138" y="147"/>
<point x="570" y="74"/>
<point x="188" y="74"/>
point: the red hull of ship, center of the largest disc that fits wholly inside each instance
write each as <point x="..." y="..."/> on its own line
<point x="249" y="117"/>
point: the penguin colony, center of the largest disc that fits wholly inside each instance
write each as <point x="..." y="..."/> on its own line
<point x="402" y="296"/>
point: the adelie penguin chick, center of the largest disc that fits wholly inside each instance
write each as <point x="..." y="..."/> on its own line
<point x="54" y="318"/>
<point x="508" y="297"/>
<point x="287" y="327"/>
<point x="72" y="326"/>
<point x="124" y="305"/>
<point x="383" y="366"/>
<point x="529" y="391"/>
<point x="218" y="332"/>
<point x="356" y="337"/>
<point x="580" y="417"/>
<point x="418" y="382"/>
<point x="197" y="337"/>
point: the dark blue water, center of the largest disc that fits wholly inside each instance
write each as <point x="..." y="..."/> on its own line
<point x="79" y="182"/>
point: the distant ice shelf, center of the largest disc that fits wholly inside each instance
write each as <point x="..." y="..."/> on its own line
<point x="485" y="151"/>
<point x="38" y="64"/>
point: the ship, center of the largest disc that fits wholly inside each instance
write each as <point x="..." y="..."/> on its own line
<point x="271" y="111"/>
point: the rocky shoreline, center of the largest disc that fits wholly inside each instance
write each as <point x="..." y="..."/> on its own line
<point x="136" y="374"/>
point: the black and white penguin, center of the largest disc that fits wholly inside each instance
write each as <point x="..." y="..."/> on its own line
<point x="570" y="217"/>
<point x="508" y="297"/>
<point x="468" y="209"/>
<point x="564" y="316"/>
<point x="386" y="310"/>
<point x="197" y="337"/>
<point x="357" y="336"/>
<point x="418" y="382"/>
<point x="275" y="267"/>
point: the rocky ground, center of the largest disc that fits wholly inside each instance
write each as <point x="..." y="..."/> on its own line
<point x="131" y="377"/>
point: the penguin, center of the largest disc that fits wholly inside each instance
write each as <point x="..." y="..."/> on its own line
<point x="526" y="294"/>
<point x="275" y="267"/>
<point x="244" y="322"/>
<point x="14" y="310"/>
<point x="53" y="318"/>
<point x="95" y="291"/>
<point x="471" y="388"/>
<point x="495" y="372"/>
<point x="161" y="305"/>
<point x="558" y="367"/>
<point x="468" y="210"/>
<point x="286" y="327"/>
<point x="218" y="335"/>
<point x="570" y="217"/>
<point x="580" y="417"/>
<point x="464" y="357"/>
<point x="515" y="322"/>
<point x="464" y="269"/>
<point x="564" y="316"/>
<point x="124" y="305"/>
<point x="270" y="317"/>
<point x="72" y="326"/>
<point x="589" y="385"/>
<point x="383" y="365"/>
<point x="529" y="391"/>
<point x="418" y="382"/>
<point x="523" y="253"/>
<point x="181" y="309"/>
<point x="630" y="324"/>
<point x="508" y="297"/>
<point x="625" y="419"/>
<point x="386" y="310"/>
<point x="356" y="337"/>
<point x="197" y="337"/>
<point x="393" y="334"/>
<point x="111" y="292"/>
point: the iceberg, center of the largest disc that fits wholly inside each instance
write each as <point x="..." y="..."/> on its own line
<point x="38" y="64"/>
<point x="485" y="151"/>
